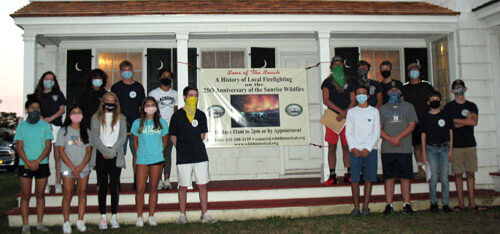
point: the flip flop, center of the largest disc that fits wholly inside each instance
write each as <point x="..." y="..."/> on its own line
<point x="458" y="208"/>
<point x="478" y="208"/>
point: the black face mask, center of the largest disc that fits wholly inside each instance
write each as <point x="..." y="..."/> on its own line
<point x="363" y="72"/>
<point x="166" y="81"/>
<point x="109" y="106"/>
<point x="385" y="74"/>
<point x="33" y="117"/>
<point x="435" y="104"/>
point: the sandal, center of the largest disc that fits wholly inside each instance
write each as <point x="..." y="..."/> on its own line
<point x="478" y="208"/>
<point x="458" y="208"/>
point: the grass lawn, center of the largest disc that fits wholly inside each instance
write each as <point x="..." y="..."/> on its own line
<point x="421" y="222"/>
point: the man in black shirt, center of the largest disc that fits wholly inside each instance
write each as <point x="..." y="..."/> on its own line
<point x="374" y="88"/>
<point x="385" y="71"/>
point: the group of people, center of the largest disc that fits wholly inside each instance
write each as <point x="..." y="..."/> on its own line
<point x="409" y="120"/>
<point x="94" y="135"/>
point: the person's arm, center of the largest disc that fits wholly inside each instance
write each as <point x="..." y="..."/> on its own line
<point x="44" y="154"/>
<point x="61" y="111"/>
<point x="352" y="97"/>
<point x="392" y="140"/>
<point x="471" y="120"/>
<point x="375" y="131"/>
<point x="349" y="130"/>
<point x="407" y="131"/>
<point x="65" y="158"/>
<point x="203" y="136"/>
<point x="450" y="152"/>
<point x="424" y="147"/>
<point x="86" y="159"/>
<point x="174" y="140"/>
<point x="22" y="154"/>
<point x="135" y="142"/>
<point x="380" y="100"/>
<point x="176" y="108"/>
<point x="329" y="104"/>
<point x="122" y="135"/>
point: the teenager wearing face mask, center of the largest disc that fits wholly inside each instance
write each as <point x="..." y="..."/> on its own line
<point x="386" y="72"/>
<point x="130" y="93"/>
<point x="34" y="141"/>
<point x="108" y="134"/>
<point x="374" y="87"/>
<point x="53" y="106"/>
<point x="150" y="139"/>
<point x="73" y="143"/>
<point x="416" y="92"/>
<point x="90" y="99"/>
<point x="167" y="103"/>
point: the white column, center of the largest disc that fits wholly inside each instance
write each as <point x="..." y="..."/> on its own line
<point x="324" y="56"/>
<point x="29" y="70"/>
<point x="182" y="66"/>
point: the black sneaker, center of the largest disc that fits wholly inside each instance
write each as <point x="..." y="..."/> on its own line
<point x="388" y="210"/>
<point x="435" y="208"/>
<point x="407" y="210"/>
<point x="446" y="209"/>
<point x="347" y="178"/>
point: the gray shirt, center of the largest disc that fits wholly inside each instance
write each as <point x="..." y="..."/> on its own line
<point x="73" y="147"/>
<point x="395" y="119"/>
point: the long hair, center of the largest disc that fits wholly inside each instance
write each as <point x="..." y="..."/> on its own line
<point x="39" y="86"/>
<point x="156" y="116"/>
<point x="101" y="111"/>
<point x="83" y="129"/>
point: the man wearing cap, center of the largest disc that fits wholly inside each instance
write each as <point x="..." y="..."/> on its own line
<point x="374" y="88"/>
<point x="465" y="117"/>
<point x="416" y="92"/>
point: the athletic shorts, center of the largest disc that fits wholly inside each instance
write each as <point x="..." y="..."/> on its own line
<point x="368" y="164"/>
<point x="464" y="159"/>
<point x="42" y="172"/>
<point x="184" y="172"/>
<point x="332" y="137"/>
<point x="397" y="165"/>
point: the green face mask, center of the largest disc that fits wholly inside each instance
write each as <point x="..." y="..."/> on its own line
<point x="338" y="75"/>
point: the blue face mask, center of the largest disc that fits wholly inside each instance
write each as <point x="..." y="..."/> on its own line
<point x="361" y="98"/>
<point x="48" y="84"/>
<point x="394" y="97"/>
<point x="97" y="83"/>
<point x="127" y="74"/>
<point x="414" y="74"/>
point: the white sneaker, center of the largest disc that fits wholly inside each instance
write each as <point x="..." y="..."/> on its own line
<point x="114" y="221"/>
<point x="80" y="225"/>
<point x="139" y="222"/>
<point x="66" y="227"/>
<point x="182" y="219"/>
<point x="167" y="185"/>
<point x="26" y="229"/>
<point x="58" y="188"/>
<point x="160" y="185"/>
<point x="207" y="219"/>
<point x="152" y="221"/>
<point x="190" y="187"/>
<point x="40" y="227"/>
<point x="47" y="189"/>
<point x="103" y="223"/>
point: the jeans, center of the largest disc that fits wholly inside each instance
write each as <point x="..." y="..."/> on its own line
<point x="439" y="164"/>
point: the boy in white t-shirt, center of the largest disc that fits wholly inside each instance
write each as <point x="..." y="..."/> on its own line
<point x="167" y="102"/>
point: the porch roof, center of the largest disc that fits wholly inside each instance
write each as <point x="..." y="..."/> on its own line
<point x="227" y="7"/>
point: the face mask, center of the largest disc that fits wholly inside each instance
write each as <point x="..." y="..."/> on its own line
<point x="363" y="72"/>
<point x="459" y="91"/>
<point x="127" y="74"/>
<point x="385" y="74"/>
<point x="338" y="75"/>
<point x="76" y="118"/>
<point x="361" y="98"/>
<point x="165" y="81"/>
<point x="190" y="108"/>
<point x="97" y="83"/>
<point x="48" y="84"/>
<point x="109" y="106"/>
<point x="435" y="104"/>
<point x="33" y="117"/>
<point x="414" y="74"/>
<point x="150" y="110"/>
<point x="394" y="97"/>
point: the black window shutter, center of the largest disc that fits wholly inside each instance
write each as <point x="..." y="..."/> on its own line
<point x="78" y="67"/>
<point x="416" y="55"/>
<point x="168" y="57"/>
<point x="263" y="57"/>
<point x="351" y="59"/>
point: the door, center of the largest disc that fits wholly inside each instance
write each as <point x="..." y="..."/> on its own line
<point x="77" y="69"/>
<point x="416" y="55"/>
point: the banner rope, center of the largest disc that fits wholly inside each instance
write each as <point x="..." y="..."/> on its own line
<point x="319" y="146"/>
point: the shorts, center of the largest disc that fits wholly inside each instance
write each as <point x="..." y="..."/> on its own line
<point x="184" y="172"/>
<point x="368" y="164"/>
<point x="42" y="172"/>
<point x="464" y="159"/>
<point x="82" y="175"/>
<point x="397" y="165"/>
<point x="332" y="137"/>
<point x="153" y="164"/>
<point x="416" y="136"/>
<point x="55" y="132"/>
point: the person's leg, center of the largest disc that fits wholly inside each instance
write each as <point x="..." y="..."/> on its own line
<point x="388" y="172"/>
<point x="25" y="183"/>
<point x="470" y="188"/>
<point x="202" y="174"/>
<point x="40" y="198"/>
<point x="203" y="198"/>
<point x="433" y="159"/>
<point x="444" y="166"/>
<point x="457" y="168"/>
<point x="102" y="172"/>
<point x="154" y="179"/>
<point x="182" y="198"/>
<point x="345" y="156"/>
<point x="134" y="154"/>
<point x="68" y="184"/>
<point x="459" y="184"/>
<point x="332" y="158"/>
<point x="57" y="159"/>
<point x="367" y="194"/>
<point x="142" y="177"/>
<point x="82" y="196"/>
<point x="389" y="190"/>
<point x="167" y="155"/>
<point x="356" y="166"/>
<point x="114" y="186"/>
<point x="370" y="175"/>
<point x="406" y="190"/>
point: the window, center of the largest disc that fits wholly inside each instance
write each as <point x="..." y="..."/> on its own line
<point x="109" y="62"/>
<point x="223" y="59"/>
<point x="376" y="56"/>
<point x="441" y="68"/>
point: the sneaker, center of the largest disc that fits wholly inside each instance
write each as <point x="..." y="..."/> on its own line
<point x="103" y="223"/>
<point x="331" y="180"/>
<point x="40" y="227"/>
<point x="26" y="229"/>
<point x="58" y="188"/>
<point x="434" y="208"/>
<point x="446" y="209"/>
<point x="47" y="189"/>
<point x="80" y="225"/>
<point x="347" y="178"/>
<point x="66" y="227"/>
<point x="160" y="186"/>
<point x="388" y="210"/>
<point x="182" y="219"/>
<point x="366" y="211"/>
<point x="139" y="222"/>
<point x="407" y="210"/>
<point x="167" y="185"/>
<point x="152" y="221"/>
<point x="355" y="212"/>
<point x="114" y="221"/>
<point x="207" y="219"/>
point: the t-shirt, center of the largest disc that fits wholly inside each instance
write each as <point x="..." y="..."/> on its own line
<point x="394" y="119"/>
<point x="74" y="147"/>
<point x="436" y="127"/>
<point x="166" y="102"/>
<point x="130" y="97"/>
<point x="373" y="89"/>
<point x="418" y="95"/>
<point x="190" y="147"/>
<point x="341" y="100"/>
<point x="150" y="142"/>
<point x="386" y="87"/>
<point x="109" y="134"/>
<point x="462" y="137"/>
<point x="362" y="128"/>
<point x="34" y="137"/>
<point x="50" y="105"/>
<point x="89" y="101"/>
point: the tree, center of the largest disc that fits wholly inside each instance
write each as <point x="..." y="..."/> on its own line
<point x="8" y="124"/>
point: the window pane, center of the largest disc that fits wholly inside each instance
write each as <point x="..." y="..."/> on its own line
<point x="105" y="60"/>
<point x="208" y="59"/>
<point x="136" y="60"/>
<point x="222" y="59"/>
<point x="237" y="59"/>
<point x="118" y="57"/>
